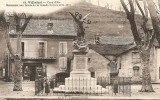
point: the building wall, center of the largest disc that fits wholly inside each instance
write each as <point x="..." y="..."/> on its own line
<point x="52" y="45"/>
<point x="126" y="68"/>
<point x="157" y="64"/>
<point x="31" y="46"/>
<point x="98" y="64"/>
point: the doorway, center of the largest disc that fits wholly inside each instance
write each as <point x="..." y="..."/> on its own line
<point x="32" y="73"/>
<point x="31" y="70"/>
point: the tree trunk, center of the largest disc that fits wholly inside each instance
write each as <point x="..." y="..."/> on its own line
<point x="18" y="76"/>
<point x="18" y="66"/>
<point x="146" y="77"/>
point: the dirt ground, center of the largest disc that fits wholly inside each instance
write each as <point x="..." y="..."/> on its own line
<point x="6" y="91"/>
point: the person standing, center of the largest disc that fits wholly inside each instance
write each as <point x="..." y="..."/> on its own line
<point x="47" y="87"/>
<point x="115" y="86"/>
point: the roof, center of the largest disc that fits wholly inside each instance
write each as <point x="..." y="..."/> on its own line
<point x="108" y="49"/>
<point x="116" y="40"/>
<point x="60" y="27"/>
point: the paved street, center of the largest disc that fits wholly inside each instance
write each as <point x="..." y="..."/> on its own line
<point x="29" y="92"/>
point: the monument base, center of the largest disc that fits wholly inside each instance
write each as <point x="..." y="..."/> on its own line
<point x="80" y="85"/>
<point x="80" y="79"/>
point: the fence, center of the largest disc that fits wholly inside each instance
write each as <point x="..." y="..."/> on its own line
<point x="99" y="86"/>
<point x="124" y="85"/>
<point x="39" y="85"/>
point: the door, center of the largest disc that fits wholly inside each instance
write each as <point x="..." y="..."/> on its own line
<point x="32" y="72"/>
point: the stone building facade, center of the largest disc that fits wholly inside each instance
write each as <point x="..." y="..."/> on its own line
<point x="123" y="51"/>
<point x="46" y="48"/>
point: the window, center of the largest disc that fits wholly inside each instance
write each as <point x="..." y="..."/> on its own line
<point x="39" y="71"/>
<point x="41" y="49"/>
<point x="22" y="44"/>
<point x="26" y="71"/>
<point x="63" y="48"/>
<point x="136" y="71"/>
<point x="89" y="60"/>
<point x="63" y="63"/>
<point x="136" y="57"/>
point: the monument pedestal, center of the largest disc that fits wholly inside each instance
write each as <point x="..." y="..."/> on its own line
<point x="80" y="79"/>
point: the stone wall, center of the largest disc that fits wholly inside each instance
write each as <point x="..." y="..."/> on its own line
<point x="98" y="64"/>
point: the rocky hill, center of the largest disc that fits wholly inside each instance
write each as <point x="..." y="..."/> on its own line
<point x="104" y="21"/>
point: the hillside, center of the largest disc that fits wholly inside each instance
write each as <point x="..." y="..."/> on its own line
<point x="104" y="21"/>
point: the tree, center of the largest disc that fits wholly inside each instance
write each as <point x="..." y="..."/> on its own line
<point x="16" y="55"/>
<point x="144" y="40"/>
<point x="154" y="18"/>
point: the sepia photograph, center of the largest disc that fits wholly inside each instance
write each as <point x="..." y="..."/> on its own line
<point x="79" y="49"/>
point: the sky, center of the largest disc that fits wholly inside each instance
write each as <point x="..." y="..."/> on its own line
<point x="53" y="5"/>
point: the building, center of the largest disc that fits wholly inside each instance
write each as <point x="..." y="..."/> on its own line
<point x="123" y="57"/>
<point x="46" y="47"/>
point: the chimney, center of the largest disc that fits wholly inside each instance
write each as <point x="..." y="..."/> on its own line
<point x="50" y="26"/>
<point x="97" y="38"/>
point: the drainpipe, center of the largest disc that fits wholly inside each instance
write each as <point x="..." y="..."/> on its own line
<point x="8" y="63"/>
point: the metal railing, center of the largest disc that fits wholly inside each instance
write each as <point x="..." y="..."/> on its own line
<point x="99" y="86"/>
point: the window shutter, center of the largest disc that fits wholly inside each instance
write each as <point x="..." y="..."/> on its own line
<point x="63" y="48"/>
<point x="60" y="48"/>
<point x="63" y="63"/>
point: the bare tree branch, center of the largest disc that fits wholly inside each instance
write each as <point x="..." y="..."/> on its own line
<point x="9" y="44"/>
<point x="4" y="30"/>
<point x="140" y="8"/>
<point x="130" y="17"/>
<point x="152" y="37"/>
<point x="27" y="19"/>
<point x="145" y="19"/>
<point x="131" y="7"/>
<point x="145" y="8"/>
<point x="16" y="17"/>
<point x="124" y="6"/>
<point x="154" y="17"/>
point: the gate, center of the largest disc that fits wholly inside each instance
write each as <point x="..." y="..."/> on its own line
<point x="39" y="85"/>
<point x="123" y="85"/>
